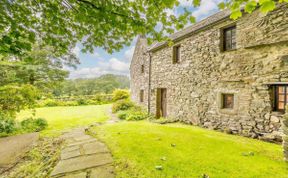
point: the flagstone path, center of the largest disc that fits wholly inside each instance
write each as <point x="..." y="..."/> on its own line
<point x="83" y="157"/>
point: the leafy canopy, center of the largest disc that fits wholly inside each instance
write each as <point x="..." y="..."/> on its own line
<point x="110" y="24"/>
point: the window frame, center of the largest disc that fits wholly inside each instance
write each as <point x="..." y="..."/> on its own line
<point x="275" y="97"/>
<point x="224" y="104"/>
<point x="176" y="54"/>
<point x="225" y="38"/>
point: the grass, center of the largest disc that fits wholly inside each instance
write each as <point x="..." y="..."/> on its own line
<point x="187" y="151"/>
<point x="63" y="118"/>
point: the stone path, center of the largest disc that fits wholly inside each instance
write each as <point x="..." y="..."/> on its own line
<point x="83" y="157"/>
<point x="13" y="148"/>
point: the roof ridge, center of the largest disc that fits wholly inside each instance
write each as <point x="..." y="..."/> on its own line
<point x="194" y="27"/>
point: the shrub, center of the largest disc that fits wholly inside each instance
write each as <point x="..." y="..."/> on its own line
<point x="134" y="113"/>
<point x="7" y="124"/>
<point x="122" y="105"/>
<point x="136" y="116"/>
<point x="82" y="101"/>
<point x="34" y="125"/>
<point x="120" y="94"/>
<point x="122" y="115"/>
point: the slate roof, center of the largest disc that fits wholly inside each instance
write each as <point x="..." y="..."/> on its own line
<point x="193" y="28"/>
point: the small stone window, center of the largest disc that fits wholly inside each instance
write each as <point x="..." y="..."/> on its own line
<point x="227" y="101"/>
<point x="142" y="68"/>
<point x="279" y="97"/>
<point x="141" y="96"/>
<point x="229" y="38"/>
<point x="176" y="54"/>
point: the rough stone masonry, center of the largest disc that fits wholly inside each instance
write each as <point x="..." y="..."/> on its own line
<point x="253" y="74"/>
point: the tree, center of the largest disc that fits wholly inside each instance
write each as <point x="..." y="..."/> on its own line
<point x="24" y="79"/>
<point x="110" y="24"/>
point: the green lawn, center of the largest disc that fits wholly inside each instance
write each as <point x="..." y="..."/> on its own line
<point x="62" y="118"/>
<point x="138" y="147"/>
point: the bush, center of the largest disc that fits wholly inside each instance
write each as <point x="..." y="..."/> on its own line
<point x="122" y="115"/>
<point x="34" y="125"/>
<point x="136" y="116"/>
<point x="122" y="105"/>
<point x="135" y="113"/>
<point x="82" y="101"/>
<point x="7" y="124"/>
<point x="120" y="94"/>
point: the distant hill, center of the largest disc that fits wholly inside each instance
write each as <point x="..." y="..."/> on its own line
<point x="103" y="84"/>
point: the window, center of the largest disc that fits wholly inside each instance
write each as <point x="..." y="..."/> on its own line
<point x="227" y="101"/>
<point x="141" y="96"/>
<point x="279" y="97"/>
<point x="142" y="68"/>
<point x="229" y="38"/>
<point x="176" y="54"/>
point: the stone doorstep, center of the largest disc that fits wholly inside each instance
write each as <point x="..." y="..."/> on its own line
<point x="81" y="163"/>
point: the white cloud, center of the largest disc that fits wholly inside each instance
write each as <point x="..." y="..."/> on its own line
<point x="112" y="66"/>
<point x="206" y="8"/>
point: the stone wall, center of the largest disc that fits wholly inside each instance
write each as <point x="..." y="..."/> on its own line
<point x="194" y="86"/>
<point x="139" y="80"/>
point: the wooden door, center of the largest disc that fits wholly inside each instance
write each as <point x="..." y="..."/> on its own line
<point x="161" y="102"/>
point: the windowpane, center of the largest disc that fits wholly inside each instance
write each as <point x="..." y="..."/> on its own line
<point x="229" y="38"/>
<point x="281" y="89"/>
<point x="280" y="105"/>
<point x="281" y="97"/>
<point x="228" y="101"/>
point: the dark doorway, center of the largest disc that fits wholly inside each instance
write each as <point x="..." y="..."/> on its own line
<point x="161" y="102"/>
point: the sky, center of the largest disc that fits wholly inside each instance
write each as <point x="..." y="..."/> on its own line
<point x="100" y="62"/>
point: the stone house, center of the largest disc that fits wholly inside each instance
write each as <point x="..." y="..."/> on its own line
<point x="220" y="74"/>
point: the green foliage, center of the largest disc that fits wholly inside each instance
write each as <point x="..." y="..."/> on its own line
<point x="76" y="100"/>
<point x="34" y="125"/>
<point x="134" y="113"/>
<point x="119" y="94"/>
<point x="249" y="6"/>
<point x="110" y="25"/>
<point x="7" y="124"/>
<point x="14" y="98"/>
<point x="122" y="105"/>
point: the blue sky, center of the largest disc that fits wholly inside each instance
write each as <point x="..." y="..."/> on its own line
<point x="100" y="62"/>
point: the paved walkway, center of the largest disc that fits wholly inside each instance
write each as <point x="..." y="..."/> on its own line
<point x="13" y="148"/>
<point x="83" y="157"/>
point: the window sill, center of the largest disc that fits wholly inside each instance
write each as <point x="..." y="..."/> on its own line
<point x="230" y="50"/>
<point x="277" y="113"/>
<point x="228" y="111"/>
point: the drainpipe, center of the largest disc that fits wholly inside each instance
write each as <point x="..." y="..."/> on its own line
<point x="149" y="83"/>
